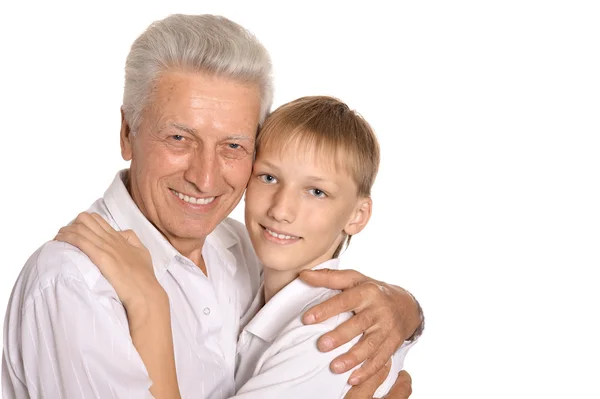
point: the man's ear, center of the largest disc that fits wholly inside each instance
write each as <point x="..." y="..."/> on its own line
<point x="126" y="145"/>
<point x="360" y="217"/>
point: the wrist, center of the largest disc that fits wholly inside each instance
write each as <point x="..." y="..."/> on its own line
<point x="419" y="326"/>
<point x="147" y="309"/>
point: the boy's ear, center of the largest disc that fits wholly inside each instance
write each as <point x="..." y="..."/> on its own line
<point x="360" y="216"/>
<point x="126" y="148"/>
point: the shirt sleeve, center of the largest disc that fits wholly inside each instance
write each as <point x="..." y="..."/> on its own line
<point x="68" y="343"/>
<point x="293" y="367"/>
<point x="397" y="366"/>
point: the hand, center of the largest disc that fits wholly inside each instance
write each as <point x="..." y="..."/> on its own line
<point x="386" y="314"/>
<point x="121" y="258"/>
<point x="402" y="388"/>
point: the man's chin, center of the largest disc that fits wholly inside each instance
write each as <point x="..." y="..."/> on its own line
<point x="191" y="231"/>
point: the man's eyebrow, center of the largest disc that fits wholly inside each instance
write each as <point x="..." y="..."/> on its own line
<point x="185" y="128"/>
<point x="239" y="137"/>
<point x="194" y="132"/>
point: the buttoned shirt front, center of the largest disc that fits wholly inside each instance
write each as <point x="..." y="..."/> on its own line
<point x="66" y="333"/>
<point x="278" y="355"/>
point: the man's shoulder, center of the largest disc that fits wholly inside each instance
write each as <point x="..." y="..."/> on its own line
<point x="55" y="261"/>
<point x="52" y="262"/>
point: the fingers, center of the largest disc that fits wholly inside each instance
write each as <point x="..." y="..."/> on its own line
<point x="103" y="223"/>
<point x="367" y="389"/>
<point x="376" y="347"/>
<point x="88" y="220"/>
<point x="333" y="279"/>
<point x="103" y="229"/>
<point x="346" y="301"/>
<point x="402" y="388"/>
<point x="83" y="238"/>
<point x="342" y="334"/>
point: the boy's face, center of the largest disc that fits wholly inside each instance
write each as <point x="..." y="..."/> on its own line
<point x="298" y="207"/>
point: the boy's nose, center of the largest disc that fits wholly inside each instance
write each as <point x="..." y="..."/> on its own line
<point x="283" y="208"/>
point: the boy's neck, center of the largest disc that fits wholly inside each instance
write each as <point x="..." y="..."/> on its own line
<point x="275" y="280"/>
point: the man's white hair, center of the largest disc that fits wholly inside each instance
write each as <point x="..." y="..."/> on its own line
<point x="198" y="43"/>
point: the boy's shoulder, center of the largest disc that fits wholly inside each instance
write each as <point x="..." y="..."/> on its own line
<point x="293" y="330"/>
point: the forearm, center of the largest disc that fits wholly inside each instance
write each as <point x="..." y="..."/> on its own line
<point x="150" y="330"/>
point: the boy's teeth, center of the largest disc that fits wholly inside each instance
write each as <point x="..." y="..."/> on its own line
<point x="193" y="200"/>
<point x="280" y="236"/>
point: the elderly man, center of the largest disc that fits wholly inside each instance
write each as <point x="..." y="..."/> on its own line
<point x="196" y="90"/>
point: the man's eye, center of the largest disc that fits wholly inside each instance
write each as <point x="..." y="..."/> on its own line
<point x="267" y="178"/>
<point x="317" y="193"/>
<point x="234" y="146"/>
<point x="177" y="137"/>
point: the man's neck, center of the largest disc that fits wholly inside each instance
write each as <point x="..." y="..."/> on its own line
<point x="191" y="249"/>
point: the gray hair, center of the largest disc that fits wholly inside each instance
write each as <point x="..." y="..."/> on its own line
<point x="207" y="43"/>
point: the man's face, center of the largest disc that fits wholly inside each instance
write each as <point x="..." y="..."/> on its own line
<point x="192" y="155"/>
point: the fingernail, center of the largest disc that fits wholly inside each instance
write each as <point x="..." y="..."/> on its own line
<point x="326" y="344"/>
<point x="338" y="367"/>
<point x="353" y="381"/>
<point x="309" y="319"/>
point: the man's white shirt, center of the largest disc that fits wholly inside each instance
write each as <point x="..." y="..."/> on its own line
<point x="66" y="333"/>
<point x="278" y="355"/>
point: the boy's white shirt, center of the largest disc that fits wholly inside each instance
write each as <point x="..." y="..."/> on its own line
<point x="277" y="354"/>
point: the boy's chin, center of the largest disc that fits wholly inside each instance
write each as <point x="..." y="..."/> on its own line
<point x="278" y="263"/>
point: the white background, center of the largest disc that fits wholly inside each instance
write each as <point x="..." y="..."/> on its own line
<point x="487" y="203"/>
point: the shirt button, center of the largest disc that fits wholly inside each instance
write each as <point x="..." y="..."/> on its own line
<point x="207" y="311"/>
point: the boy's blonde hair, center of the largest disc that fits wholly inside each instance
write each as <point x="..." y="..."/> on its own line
<point x="327" y="126"/>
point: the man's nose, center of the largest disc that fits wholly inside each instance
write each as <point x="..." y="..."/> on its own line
<point x="204" y="170"/>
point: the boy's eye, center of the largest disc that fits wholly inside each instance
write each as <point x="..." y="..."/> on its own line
<point x="265" y="178"/>
<point x="317" y="193"/>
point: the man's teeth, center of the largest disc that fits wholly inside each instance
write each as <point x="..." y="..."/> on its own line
<point x="193" y="200"/>
<point x="280" y="236"/>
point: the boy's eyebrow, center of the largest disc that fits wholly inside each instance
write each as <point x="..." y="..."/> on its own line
<point x="312" y="178"/>
<point x="318" y="179"/>
<point x="269" y="164"/>
<point x="192" y="131"/>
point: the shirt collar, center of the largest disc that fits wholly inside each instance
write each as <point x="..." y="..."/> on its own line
<point x="128" y="216"/>
<point x="221" y="239"/>
<point x="286" y="305"/>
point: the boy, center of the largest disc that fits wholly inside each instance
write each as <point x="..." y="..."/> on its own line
<point x="309" y="193"/>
